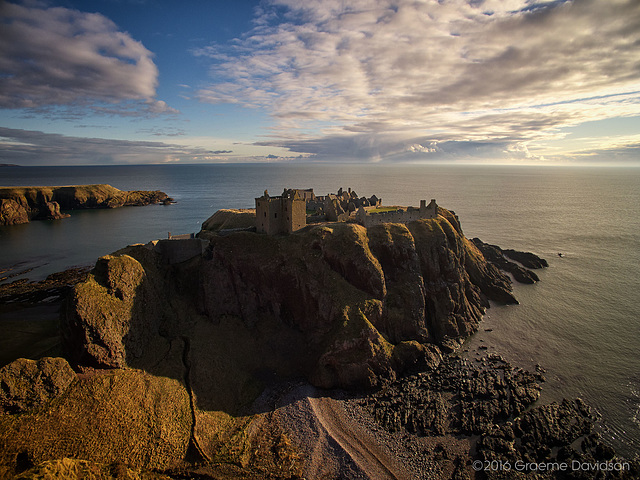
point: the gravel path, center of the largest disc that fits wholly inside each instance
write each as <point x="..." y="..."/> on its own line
<point x="338" y="439"/>
<point x="355" y="441"/>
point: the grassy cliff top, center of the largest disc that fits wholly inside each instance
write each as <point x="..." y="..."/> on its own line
<point x="230" y="218"/>
<point x="97" y="188"/>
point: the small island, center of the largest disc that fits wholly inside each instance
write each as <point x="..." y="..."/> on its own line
<point x="333" y="350"/>
<point x="22" y="204"/>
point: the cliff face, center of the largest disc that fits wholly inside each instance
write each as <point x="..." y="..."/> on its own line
<point x="173" y="352"/>
<point x="339" y="304"/>
<point x="22" y="204"/>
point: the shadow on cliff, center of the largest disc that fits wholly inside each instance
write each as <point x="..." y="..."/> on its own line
<point x="129" y="316"/>
<point x="339" y="305"/>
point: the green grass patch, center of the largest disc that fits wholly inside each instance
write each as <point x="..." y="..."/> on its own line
<point x="382" y="209"/>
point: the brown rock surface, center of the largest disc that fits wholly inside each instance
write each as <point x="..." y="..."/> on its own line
<point x="22" y="204"/>
<point x="121" y="416"/>
<point x="229" y="219"/>
<point x="28" y="384"/>
<point x="12" y="212"/>
<point x="113" y="315"/>
<point x="330" y="303"/>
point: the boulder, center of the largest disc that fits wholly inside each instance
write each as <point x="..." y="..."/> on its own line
<point x="498" y="257"/>
<point x="112" y="316"/>
<point x="29" y="384"/>
<point x="527" y="259"/>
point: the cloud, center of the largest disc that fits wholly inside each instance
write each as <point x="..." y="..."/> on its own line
<point x="162" y="131"/>
<point x="53" y="57"/>
<point x="369" y="74"/>
<point x="29" y="147"/>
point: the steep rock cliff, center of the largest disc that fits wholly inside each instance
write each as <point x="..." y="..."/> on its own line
<point x="114" y="315"/>
<point x="22" y="204"/>
<point x="339" y="304"/>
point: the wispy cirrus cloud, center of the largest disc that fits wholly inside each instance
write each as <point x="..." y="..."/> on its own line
<point x="52" y="58"/>
<point x="30" y="147"/>
<point x="376" y="78"/>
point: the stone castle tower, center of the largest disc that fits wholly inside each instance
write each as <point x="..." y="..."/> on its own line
<point x="284" y="214"/>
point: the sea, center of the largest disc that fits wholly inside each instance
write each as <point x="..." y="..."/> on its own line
<point x="581" y="322"/>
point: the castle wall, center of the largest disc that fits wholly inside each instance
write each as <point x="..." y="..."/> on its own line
<point x="180" y="250"/>
<point x="316" y="204"/>
<point x="398" y="216"/>
<point x="295" y="214"/>
<point x="275" y="215"/>
<point x="305" y="194"/>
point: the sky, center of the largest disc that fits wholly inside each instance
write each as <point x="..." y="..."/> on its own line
<point x="105" y="82"/>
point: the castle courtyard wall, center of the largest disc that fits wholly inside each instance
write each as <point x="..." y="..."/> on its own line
<point x="398" y="216"/>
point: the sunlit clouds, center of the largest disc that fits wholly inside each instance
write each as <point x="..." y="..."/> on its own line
<point x="58" y="57"/>
<point x="322" y="80"/>
<point x="383" y="76"/>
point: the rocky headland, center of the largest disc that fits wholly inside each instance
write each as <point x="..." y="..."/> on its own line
<point x="328" y="353"/>
<point x="23" y="204"/>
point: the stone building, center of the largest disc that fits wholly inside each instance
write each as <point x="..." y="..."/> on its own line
<point x="284" y="214"/>
<point x="400" y="215"/>
<point x="305" y="193"/>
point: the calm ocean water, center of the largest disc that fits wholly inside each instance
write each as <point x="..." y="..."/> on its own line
<point x="581" y="321"/>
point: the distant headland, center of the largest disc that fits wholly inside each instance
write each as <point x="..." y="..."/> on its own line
<point x="22" y="204"/>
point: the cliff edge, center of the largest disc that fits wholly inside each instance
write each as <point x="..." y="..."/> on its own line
<point x="23" y="204"/>
<point x="338" y="304"/>
<point x="199" y="365"/>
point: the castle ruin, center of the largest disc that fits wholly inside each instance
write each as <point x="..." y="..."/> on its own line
<point x="291" y="211"/>
<point x="401" y="215"/>
<point x="284" y="214"/>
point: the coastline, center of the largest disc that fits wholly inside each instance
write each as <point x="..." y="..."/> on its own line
<point x="347" y="433"/>
<point x="445" y="451"/>
<point x="20" y="205"/>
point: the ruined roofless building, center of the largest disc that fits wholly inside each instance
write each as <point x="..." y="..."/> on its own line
<point x="410" y="214"/>
<point x="284" y="214"/>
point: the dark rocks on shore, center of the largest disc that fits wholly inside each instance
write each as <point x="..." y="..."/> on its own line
<point x="527" y="259"/>
<point x="500" y="258"/>
<point x="29" y="313"/>
<point x="493" y="405"/>
<point x="455" y="398"/>
<point x="554" y="434"/>
<point x="53" y="289"/>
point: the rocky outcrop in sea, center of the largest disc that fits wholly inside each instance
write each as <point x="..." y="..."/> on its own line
<point x="23" y="204"/>
<point x="362" y="304"/>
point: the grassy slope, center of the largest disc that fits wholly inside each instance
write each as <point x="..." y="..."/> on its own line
<point x="230" y="218"/>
